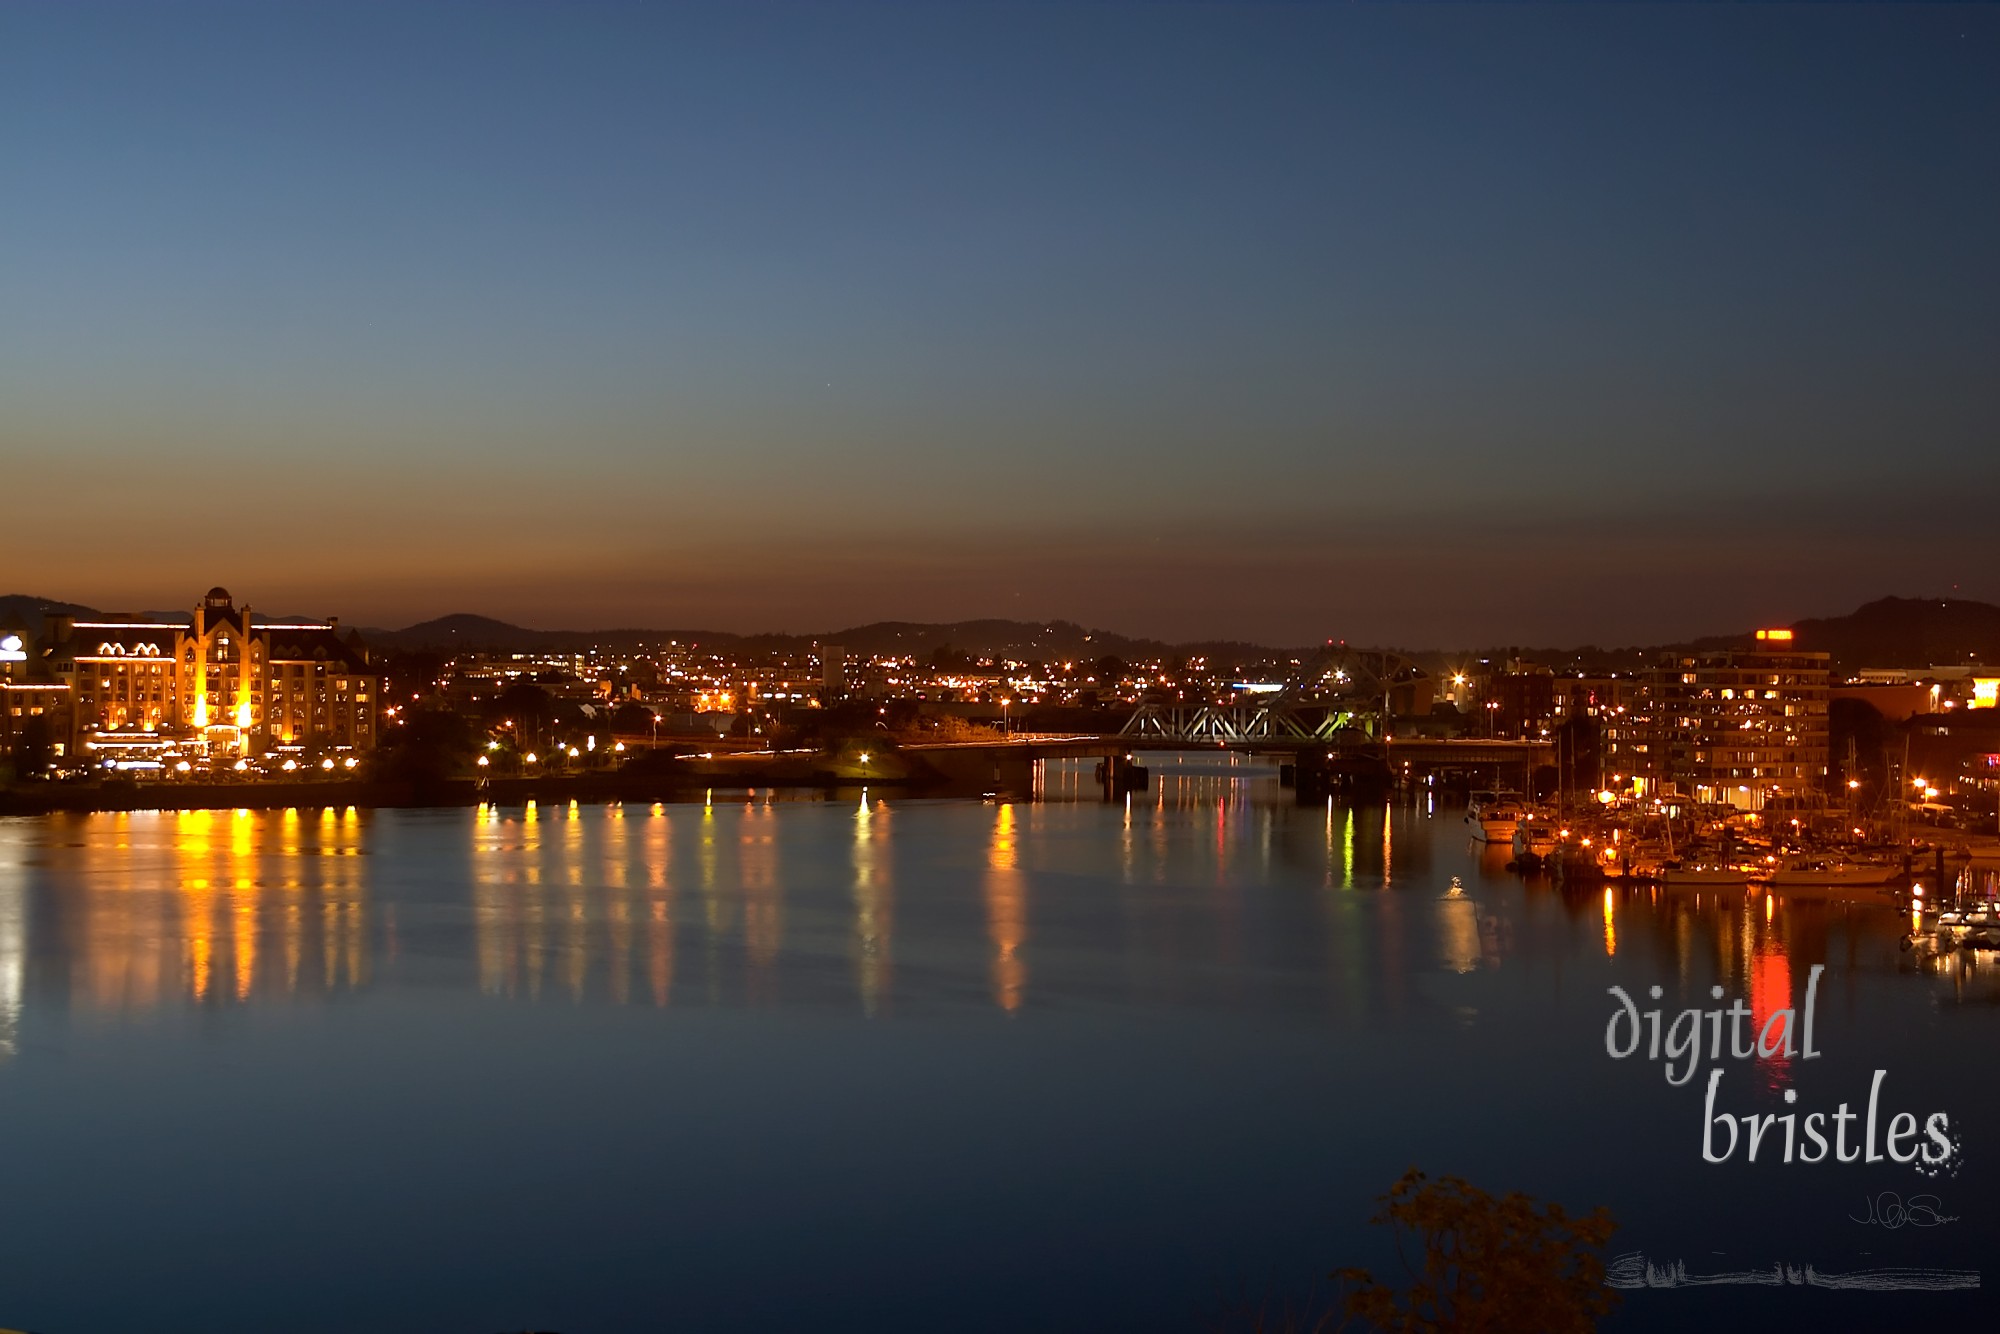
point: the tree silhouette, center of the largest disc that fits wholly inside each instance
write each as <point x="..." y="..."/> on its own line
<point x="35" y="751"/>
<point x="526" y="703"/>
<point x="1484" y="1265"/>
<point x="433" y="745"/>
<point x="633" y="719"/>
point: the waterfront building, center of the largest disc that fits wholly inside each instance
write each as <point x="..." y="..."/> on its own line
<point x="1907" y="691"/>
<point x="235" y="683"/>
<point x="1526" y="695"/>
<point x="1599" y="730"/>
<point x="1739" y="726"/>
<point x="29" y="707"/>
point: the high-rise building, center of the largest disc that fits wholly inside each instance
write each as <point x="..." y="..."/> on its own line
<point x="1738" y="726"/>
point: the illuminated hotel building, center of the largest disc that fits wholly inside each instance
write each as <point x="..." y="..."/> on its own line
<point x="244" y="684"/>
<point x="24" y="699"/>
<point x="1740" y="726"/>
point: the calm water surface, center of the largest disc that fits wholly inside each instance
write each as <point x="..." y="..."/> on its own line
<point x="883" y="1064"/>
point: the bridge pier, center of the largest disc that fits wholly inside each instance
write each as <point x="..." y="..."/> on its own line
<point x="1017" y="776"/>
<point x="1316" y="775"/>
<point x="1119" y="774"/>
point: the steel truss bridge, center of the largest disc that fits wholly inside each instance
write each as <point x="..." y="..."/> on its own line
<point x="1342" y="691"/>
<point x="1227" y="724"/>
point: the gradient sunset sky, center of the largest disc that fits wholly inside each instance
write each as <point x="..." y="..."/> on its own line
<point x="1422" y="325"/>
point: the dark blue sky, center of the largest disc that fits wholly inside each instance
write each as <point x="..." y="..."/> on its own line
<point x="1419" y="324"/>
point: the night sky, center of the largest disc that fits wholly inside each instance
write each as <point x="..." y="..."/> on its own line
<point x="1415" y="325"/>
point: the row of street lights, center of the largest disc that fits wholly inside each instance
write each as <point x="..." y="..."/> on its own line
<point x="564" y="753"/>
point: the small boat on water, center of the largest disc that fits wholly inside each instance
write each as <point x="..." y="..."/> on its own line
<point x="1703" y="875"/>
<point x="1534" y="839"/>
<point x="1976" y="927"/>
<point x="1815" y="871"/>
<point x="1495" y="815"/>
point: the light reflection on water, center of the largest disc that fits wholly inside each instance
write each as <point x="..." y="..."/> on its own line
<point x="195" y="906"/>
<point x="611" y="903"/>
<point x="672" y="904"/>
<point x="1236" y="1017"/>
<point x="223" y="907"/>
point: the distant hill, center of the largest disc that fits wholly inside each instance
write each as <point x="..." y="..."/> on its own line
<point x="1888" y="632"/>
<point x="465" y="631"/>
<point x="1906" y="632"/>
<point x="26" y="611"/>
<point x="1028" y="641"/>
<point x="460" y="631"/>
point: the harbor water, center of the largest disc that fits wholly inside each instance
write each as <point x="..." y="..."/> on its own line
<point x="868" y="1062"/>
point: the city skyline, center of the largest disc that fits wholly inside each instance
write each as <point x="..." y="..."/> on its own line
<point x="1399" y="325"/>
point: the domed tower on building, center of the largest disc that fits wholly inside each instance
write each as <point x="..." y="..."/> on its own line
<point x="222" y="668"/>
